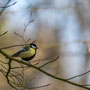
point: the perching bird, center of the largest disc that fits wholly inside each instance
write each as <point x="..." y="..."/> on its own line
<point x="27" y="53"/>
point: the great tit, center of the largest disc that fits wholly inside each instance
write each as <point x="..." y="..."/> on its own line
<point x="27" y="53"/>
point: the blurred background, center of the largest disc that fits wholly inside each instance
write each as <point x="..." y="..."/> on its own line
<point x="60" y="27"/>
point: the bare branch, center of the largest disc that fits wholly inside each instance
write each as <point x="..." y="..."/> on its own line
<point x="17" y="78"/>
<point x="33" y="41"/>
<point x="18" y="34"/>
<point x="7" y="74"/>
<point x="9" y="5"/>
<point x="79" y="75"/>
<point x="3" y="62"/>
<point x="40" y="86"/>
<point x="25" y="28"/>
<point x="22" y="72"/>
<point x="9" y="67"/>
<point x="49" y="62"/>
<point x="87" y="85"/>
<point x="2" y="71"/>
<point x="17" y="45"/>
<point x="4" y="33"/>
<point x="28" y="40"/>
<point x="26" y="25"/>
<point x="14" y="46"/>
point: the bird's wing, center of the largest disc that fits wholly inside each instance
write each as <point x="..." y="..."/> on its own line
<point x="23" y="50"/>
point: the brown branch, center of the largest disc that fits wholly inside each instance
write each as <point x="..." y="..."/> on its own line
<point x="49" y="62"/>
<point x="12" y="73"/>
<point x="26" y="25"/>
<point x="11" y="77"/>
<point x="4" y="33"/>
<point x="7" y="74"/>
<point x="13" y="46"/>
<point x="32" y="62"/>
<point x="6" y="6"/>
<point x="18" y="34"/>
<point x="86" y="85"/>
<point x="17" y="45"/>
<point x="2" y="71"/>
<point x="79" y="75"/>
<point x="17" y="78"/>
<point x="3" y="62"/>
<point x="39" y="86"/>
<point x="25" y="28"/>
<point x="9" y="68"/>
<point x="9" y="5"/>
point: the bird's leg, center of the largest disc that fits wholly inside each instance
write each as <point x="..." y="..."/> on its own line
<point x="29" y="63"/>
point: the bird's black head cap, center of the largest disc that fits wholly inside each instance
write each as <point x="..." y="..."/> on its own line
<point x="33" y="46"/>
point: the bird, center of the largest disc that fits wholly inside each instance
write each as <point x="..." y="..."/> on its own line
<point x="27" y="53"/>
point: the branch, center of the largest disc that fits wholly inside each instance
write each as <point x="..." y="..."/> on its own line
<point x="49" y="62"/>
<point x="3" y="62"/>
<point x="39" y="86"/>
<point x="79" y="75"/>
<point x="9" y="67"/>
<point x="7" y="74"/>
<point x="25" y="28"/>
<point x="13" y="46"/>
<point x="4" y="33"/>
<point x="17" y="45"/>
<point x="41" y="70"/>
<point x="8" y="5"/>
<point x="3" y="8"/>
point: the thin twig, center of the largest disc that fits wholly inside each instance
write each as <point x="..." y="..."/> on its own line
<point x="18" y="34"/>
<point x="2" y="71"/>
<point x="17" y="45"/>
<point x="4" y="33"/>
<point x="28" y="40"/>
<point x="49" y="62"/>
<point x="87" y="85"/>
<point x="17" y="78"/>
<point x="13" y="46"/>
<point x="17" y="74"/>
<point x="5" y="8"/>
<point x="17" y="67"/>
<point x="9" y="5"/>
<point x="9" y="67"/>
<point x="39" y="86"/>
<point x="79" y="75"/>
<point x="3" y="62"/>
<point x="33" y="41"/>
<point x="22" y="71"/>
<point x="7" y="74"/>
<point x="25" y="28"/>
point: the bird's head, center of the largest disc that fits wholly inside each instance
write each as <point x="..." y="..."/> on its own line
<point x="33" y="46"/>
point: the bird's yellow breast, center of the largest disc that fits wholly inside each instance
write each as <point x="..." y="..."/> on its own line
<point x="32" y="51"/>
<point x="28" y="53"/>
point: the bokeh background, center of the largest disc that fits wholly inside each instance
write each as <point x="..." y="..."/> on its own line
<point x="60" y="27"/>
